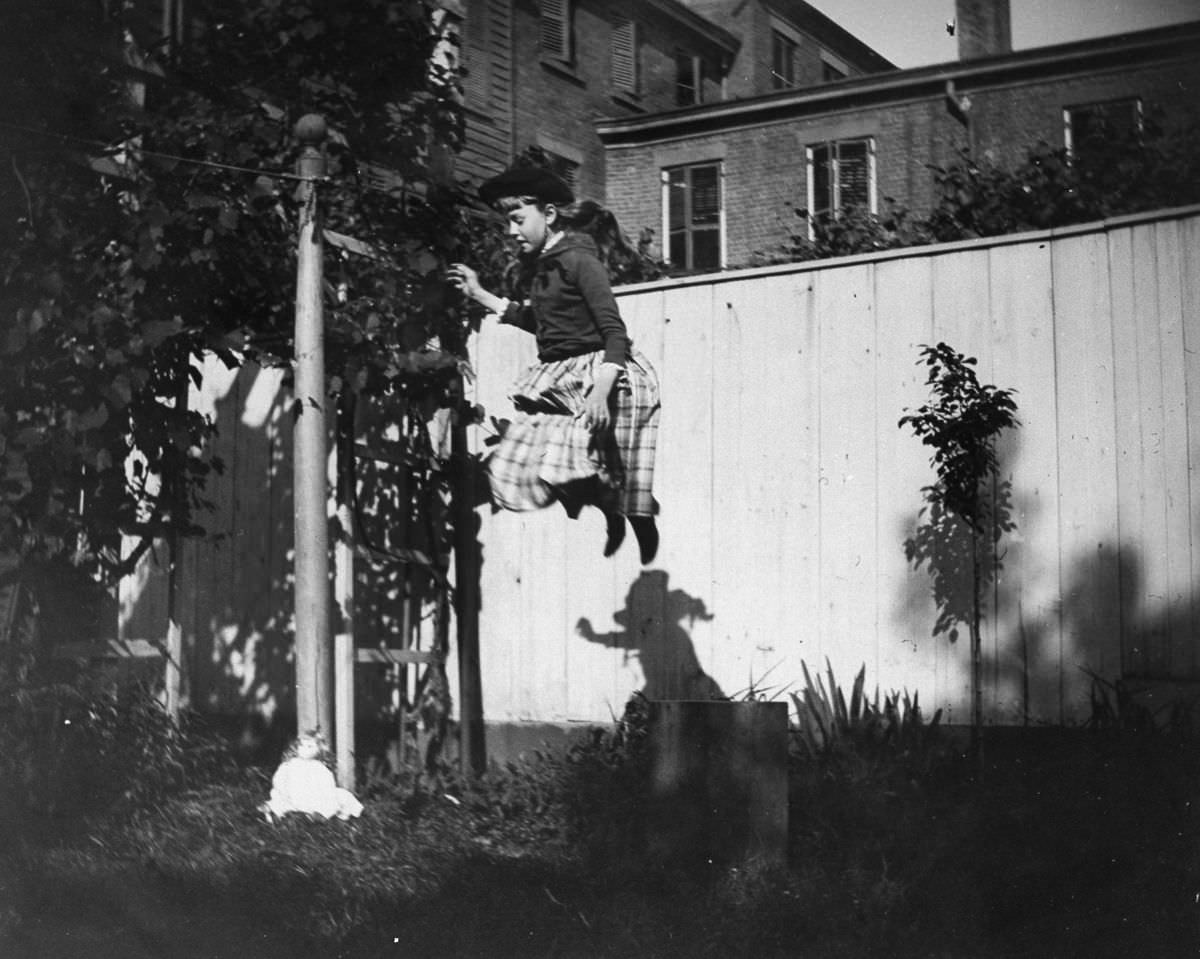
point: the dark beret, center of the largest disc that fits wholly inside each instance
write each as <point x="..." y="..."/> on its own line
<point x="526" y="181"/>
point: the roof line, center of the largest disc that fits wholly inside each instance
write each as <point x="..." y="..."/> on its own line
<point x="702" y="25"/>
<point x="843" y="35"/>
<point x="860" y="91"/>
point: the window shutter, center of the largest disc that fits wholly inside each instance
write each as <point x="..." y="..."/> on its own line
<point x="853" y="175"/>
<point x="476" y="56"/>
<point x="624" y="56"/>
<point x="820" y="181"/>
<point x="706" y="195"/>
<point x="556" y="28"/>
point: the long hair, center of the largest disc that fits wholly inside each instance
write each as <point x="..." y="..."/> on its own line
<point x="624" y="261"/>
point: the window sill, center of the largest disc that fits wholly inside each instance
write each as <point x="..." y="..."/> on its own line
<point x="562" y="69"/>
<point x="631" y="101"/>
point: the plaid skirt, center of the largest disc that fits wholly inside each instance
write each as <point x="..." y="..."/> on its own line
<point x="547" y="450"/>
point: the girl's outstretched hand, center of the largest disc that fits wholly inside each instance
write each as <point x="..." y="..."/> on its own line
<point x="466" y="280"/>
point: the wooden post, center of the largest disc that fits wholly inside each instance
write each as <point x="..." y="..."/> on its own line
<point x="718" y="782"/>
<point x="314" y="705"/>
<point x="173" y="676"/>
<point x="472" y="749"/>
<point x="343" y="588"/>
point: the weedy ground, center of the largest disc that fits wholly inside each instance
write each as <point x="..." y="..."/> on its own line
<point x="1059" y="843"/>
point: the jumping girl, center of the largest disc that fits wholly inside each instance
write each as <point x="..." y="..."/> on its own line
<point x="586" y="419"/>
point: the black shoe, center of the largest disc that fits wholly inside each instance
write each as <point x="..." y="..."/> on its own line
<point x="616" y="532"/>
<point x="571" y="503"/>
<point x="646" y="531"/>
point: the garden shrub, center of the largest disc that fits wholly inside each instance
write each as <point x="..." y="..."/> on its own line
<point x="97" y="739"/>
<point x="1109" y="174"/>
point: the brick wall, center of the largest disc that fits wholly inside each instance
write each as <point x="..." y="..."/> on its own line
<point x="1009" y="119"/>
<point x="766" y="176"/>
<point x="556" y="105"/>
<point x="764" y="164"/>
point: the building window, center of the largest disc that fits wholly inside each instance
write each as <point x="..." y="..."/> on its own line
<point x="1095" y="127"/>
<point x="556" y="29"/>
<point x="563" y="167"/>
<point x="831" y="72"/>
<point x="625" y="57"/>
<point x="841" y="174"/>
<point x="692" y="208"/>
<point x="783" y="61"/>
<point x="689" y="79"/>
<point x="833" y="68"/>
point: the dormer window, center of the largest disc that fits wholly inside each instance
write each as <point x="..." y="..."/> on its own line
<point x="689" y="79"/>
<point x="783" y="60"/>
<point x="833" y="68"/>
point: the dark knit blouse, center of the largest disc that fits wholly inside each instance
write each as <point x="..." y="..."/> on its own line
<point x="571" y="308"/>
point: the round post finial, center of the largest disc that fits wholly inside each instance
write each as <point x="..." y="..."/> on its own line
<point x="311" y="129"/>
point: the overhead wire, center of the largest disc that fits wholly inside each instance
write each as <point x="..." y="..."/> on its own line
<point x="109" y="149"/>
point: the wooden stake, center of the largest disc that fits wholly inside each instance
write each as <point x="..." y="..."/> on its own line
<point x="343" y="587"/>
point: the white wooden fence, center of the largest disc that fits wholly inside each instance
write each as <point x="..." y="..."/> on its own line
<point x="788" y="491"/>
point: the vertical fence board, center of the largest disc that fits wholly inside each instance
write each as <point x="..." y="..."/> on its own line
<point x="1087" y="467"/>
<point x="908" y="649"/>
<point x="848" y="470"/>
<point x="1189" y="272"/>
<point x="678" y="590"/>
<point x="542" y="645"/>
<point x="1172" y="363"/>
<point x="1153" y="615"/>
<point x="1127" y="417"/>
<point x="1029" y="651"/>
<point x="735" y="478"/>
<point x="803" y="520"/>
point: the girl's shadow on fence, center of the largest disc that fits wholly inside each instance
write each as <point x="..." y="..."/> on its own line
<point x="652" y="627"/>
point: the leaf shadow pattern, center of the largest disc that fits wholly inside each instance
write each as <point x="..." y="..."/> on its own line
<point x="945" y="545"/>
<point x="652" y="627"/>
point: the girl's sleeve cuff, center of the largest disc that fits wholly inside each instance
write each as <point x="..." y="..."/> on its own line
<point x="498" y="314"/>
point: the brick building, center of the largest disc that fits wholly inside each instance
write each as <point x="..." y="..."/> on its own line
<point x="545" y="72"/>
<point x="863" y="139"/>
<point x="712" y="121"/>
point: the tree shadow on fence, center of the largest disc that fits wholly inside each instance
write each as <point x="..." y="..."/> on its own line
<point x="1063" y="619"/>
<point x="234" y="596"/>
<point x="653" y="628"/>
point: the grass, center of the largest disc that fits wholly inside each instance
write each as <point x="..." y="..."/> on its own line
<point x="1064" y="843"/>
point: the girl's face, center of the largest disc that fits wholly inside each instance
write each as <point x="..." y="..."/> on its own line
<point x="531" y="224"/>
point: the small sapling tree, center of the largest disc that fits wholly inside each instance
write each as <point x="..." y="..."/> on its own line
<point x="961" y="423"/>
